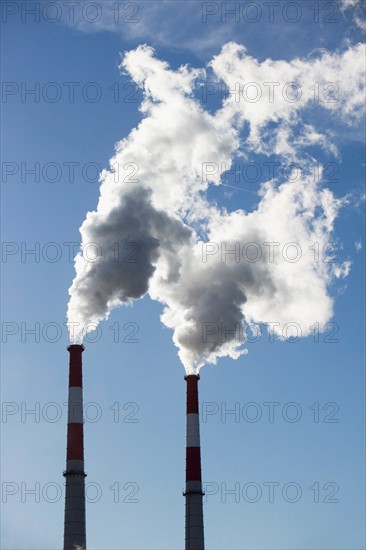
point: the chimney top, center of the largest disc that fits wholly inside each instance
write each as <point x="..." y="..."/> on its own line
<point x="192" y="376"/>
<point x="73" y="346"/>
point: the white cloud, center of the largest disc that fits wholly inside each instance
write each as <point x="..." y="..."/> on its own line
<point x="275" y="92"/>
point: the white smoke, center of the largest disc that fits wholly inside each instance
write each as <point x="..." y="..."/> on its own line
<point x="156" y="232"/>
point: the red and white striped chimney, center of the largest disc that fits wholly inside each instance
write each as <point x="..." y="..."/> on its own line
<point x="194" y="510"/>
<point x="74" y="529"/>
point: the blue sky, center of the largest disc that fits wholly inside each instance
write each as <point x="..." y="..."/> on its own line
<point x="140" y="450"/>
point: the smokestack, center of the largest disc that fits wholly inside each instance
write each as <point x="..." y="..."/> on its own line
<point x="74" y="529"/>
<point x="193" y="493"/>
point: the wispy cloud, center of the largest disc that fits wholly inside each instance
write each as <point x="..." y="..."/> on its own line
<point x="358" y="10"/>
<point x="358" y="245"/>
<point x="191" y="25"/>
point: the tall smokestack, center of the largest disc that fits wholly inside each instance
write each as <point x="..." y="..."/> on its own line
<point x="74" y="529"/>
<point x="193" y="493"/>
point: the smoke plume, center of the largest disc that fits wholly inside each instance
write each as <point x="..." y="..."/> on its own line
<point x="155" y="231"/>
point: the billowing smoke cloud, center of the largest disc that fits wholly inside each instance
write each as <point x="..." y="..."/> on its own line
<point x="154" y="230"/>
<point x="127" y="243"/>
<point x="259" y="267"/>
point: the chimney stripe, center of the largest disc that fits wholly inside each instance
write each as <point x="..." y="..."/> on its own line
<point x="75" y="409"/>
<point x="193" y="430"/>
<point x="75" y="447"/>
<point x="75" y="373"/>
<point x="193" y="464"/>
<point x="192" y="395"/>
